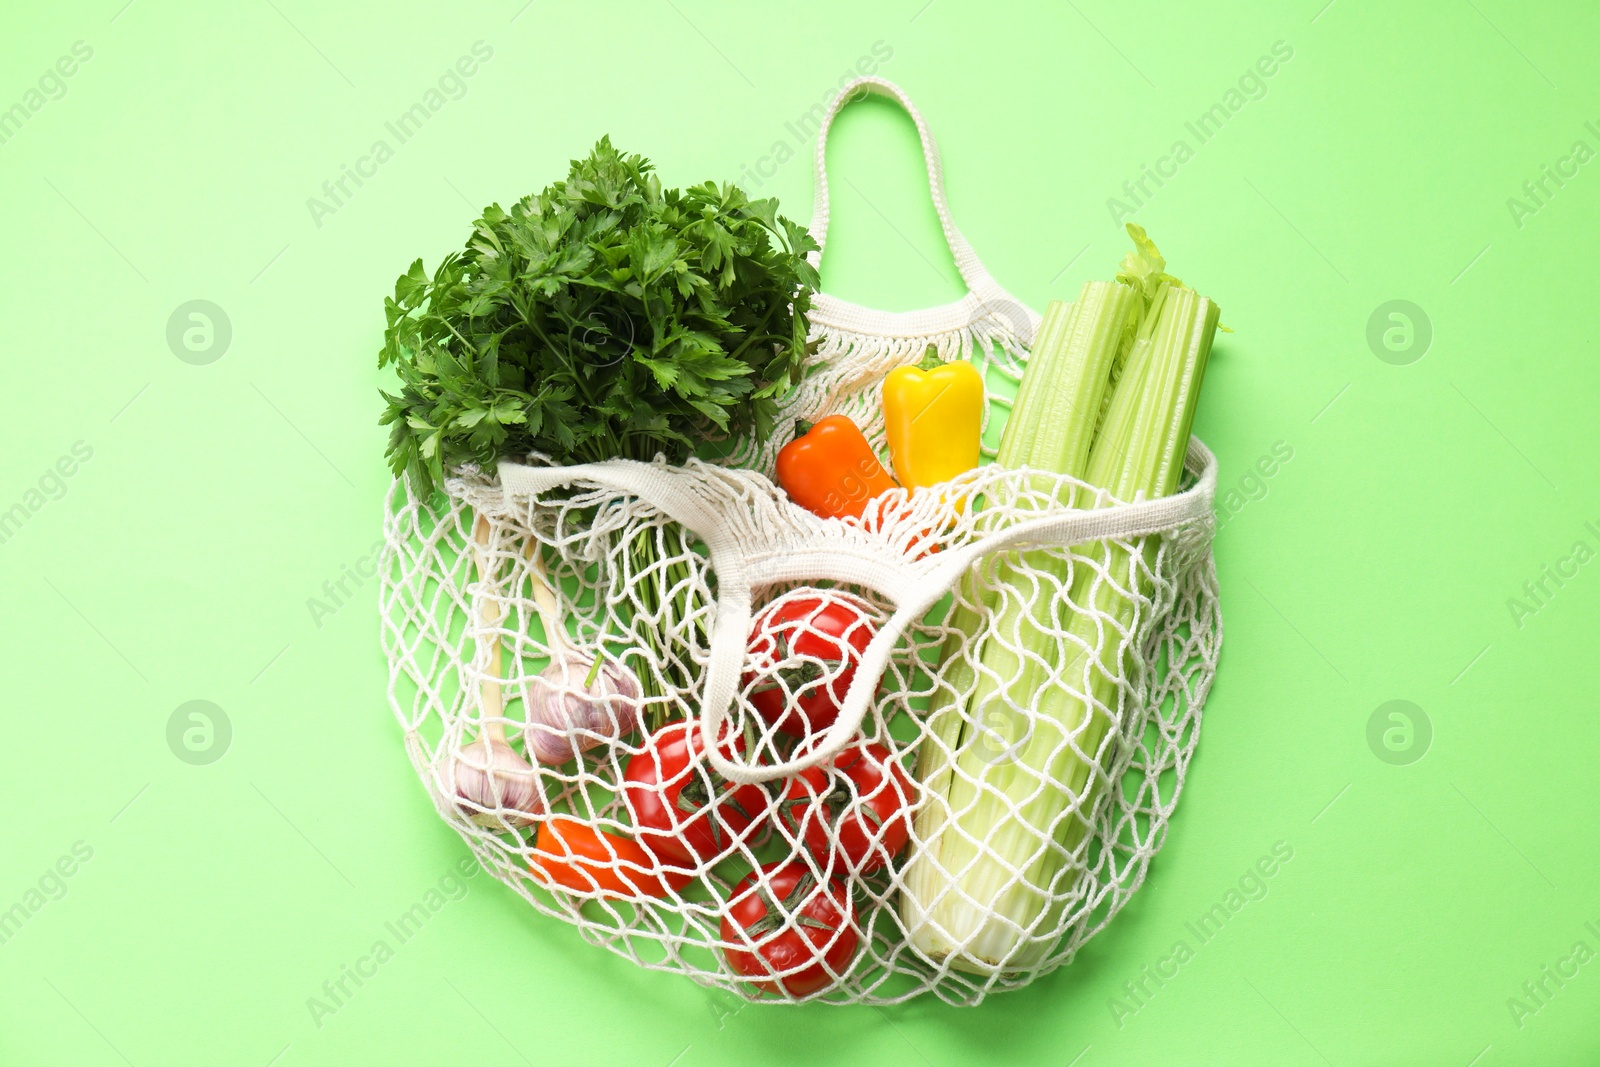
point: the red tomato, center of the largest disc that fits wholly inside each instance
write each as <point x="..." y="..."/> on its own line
<point x="831" y="634"/>
<point x="683" y="812"/>
<point x="793" y="933"/>
<point x="860" y="807"/>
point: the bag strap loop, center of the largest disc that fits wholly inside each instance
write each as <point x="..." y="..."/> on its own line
<point x="973" y="272"/>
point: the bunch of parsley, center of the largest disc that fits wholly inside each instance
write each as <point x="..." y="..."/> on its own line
<point x="603" y="317"/>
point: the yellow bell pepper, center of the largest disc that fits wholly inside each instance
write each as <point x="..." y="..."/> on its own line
<point x="933" y="416"/>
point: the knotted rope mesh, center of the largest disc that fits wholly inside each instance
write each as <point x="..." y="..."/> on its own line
<point x="1028" y="737"/>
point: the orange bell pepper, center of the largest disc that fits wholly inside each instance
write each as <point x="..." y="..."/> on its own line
<point x="830" y="469"/>
<point x="570" y="854"/>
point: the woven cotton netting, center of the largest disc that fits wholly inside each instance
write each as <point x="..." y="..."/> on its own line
<point x="1037" y="670"/>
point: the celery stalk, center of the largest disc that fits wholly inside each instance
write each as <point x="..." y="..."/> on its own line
<point x="1003" y="851"/>
<point x="1061" y="395"/>
<point x="944" y="714"/>
<point x="1081" y="341"/>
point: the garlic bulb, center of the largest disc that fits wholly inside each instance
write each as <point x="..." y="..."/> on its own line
<point x="492" y="785"/>
<point x="575" y="704"/>
<point x="577" y="701"/>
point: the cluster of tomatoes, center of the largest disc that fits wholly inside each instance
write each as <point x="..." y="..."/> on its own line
<point x="788" y="925"/>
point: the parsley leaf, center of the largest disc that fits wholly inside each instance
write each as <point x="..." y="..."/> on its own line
<point x="602" y="317"/>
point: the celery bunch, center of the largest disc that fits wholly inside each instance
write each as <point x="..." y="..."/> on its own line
<point x="1108" y="397"/>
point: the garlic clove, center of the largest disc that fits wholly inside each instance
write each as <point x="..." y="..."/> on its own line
<point x="492" y="785"/>
<point x="568" y="714"/>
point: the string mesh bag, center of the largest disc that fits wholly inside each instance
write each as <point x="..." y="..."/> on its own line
<point x="931" y="750"/>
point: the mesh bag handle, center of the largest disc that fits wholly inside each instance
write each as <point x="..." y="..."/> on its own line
<point x="741" y="566"/>
<point x="985" y="296"/>
<point x="972" y="271"/>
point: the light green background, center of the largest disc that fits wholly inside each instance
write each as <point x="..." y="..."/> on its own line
<point x="1377" y="566"/>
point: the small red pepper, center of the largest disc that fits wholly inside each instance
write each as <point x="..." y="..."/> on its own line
<point x="830" y="469"/>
